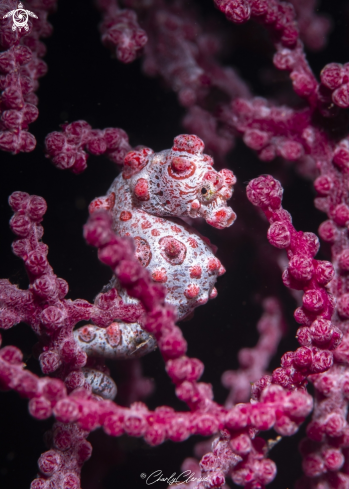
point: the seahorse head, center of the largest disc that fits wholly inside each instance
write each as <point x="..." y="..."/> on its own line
<point x="179" y="182"/>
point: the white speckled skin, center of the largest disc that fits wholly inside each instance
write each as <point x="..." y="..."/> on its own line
<point x="102" y="385"/>
<point x="118" y="340"/>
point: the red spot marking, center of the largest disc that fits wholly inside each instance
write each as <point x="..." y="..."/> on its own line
<point x="229" y="177"/>
<point x="159" y="275"/>
<point x="176" y="229"/>
<point x="146" y="225"/>
<point x="195" y="271"/>
<point x="113" y="334"/>
<point x="220" y="215"/>
<point x="192" y="291"/>
<point x="195" y="205"/>
<point x="106" y="203"/>
<point x="143" y="252"/>
<point x="180" y="165"/>
<point x="155" y="232"/>
<point x="192" y="242"/>
<point x="188" y="172"/>
<point x="86" y="334"/>
<point x="125" y="216"/>
<point x="141" y="189"/>
<point x="213" y="265"/>
<point x="135" y="161"/>
<point x="172" y="250"/>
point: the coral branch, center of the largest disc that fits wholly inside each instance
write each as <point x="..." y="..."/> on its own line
<point x="67" y="149"/>
<point x="20" y="67"/>
<point x="318" y="336"/>
<point x="120" y="31"/>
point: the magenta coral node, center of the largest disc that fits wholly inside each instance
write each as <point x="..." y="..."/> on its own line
<point x="66" y="411"/>
<point x="135" y="424"/>
<point x="52" y="317"/>
<point x="155" y="435"/>
<point x="262" y="417"/>
<point x="39" y="484"/>
<point x="20" y="225"/>
<point x="237" y="11"/>
<point x="328" y="231"/>
<point x="184" y="368"/>
<point x="84" y="451"/>
<point x="321" y="331"/>
<point x="18" y="200"/>
<point x="341" y="96"/>
<point x="179" y="429"/>
<point x="49" y="361"/>
<point x="36" y="262"/>
<point x="341" y="155"/>
<point x="303" y="357"/>
<point x="343" y="306"/>
<point x="71" y="481"/>
<point x="27" y="385"/>
<point x="313" y="301"/>
<point x="173" y="345"/>
<point x="97" y="229"/>
<point x="37" y="208"/>
<point x="241" y="444"/>
<point x="303" y="84"/>
<point x="62" y="439"/>
<point x="324" y="272"/>
<point x="341" y="214"/>
<point x="206" y="425"/>
<point x="301" y="267"/>
<point x="88" y="419"/>
<point x="334" y="425"/>
<point x="313" y="465"/>
<point x="238" y="417"/>
<point x="291" y="150"/>
<point x="332" y="75"/>
<point x="333" y="458"/>
<point x="258" y="7"/>
<point x="12" y="355"/>
<point x="322" y="361"/>
<point x="256" y="139"/>
<point x="265" y="191"/>
<point x="53" y="390"/>
<point x="113" y="425"/>
<point x="343" y="260"/>
<point x="49" y="462"/>
<point x="40" y="408"/>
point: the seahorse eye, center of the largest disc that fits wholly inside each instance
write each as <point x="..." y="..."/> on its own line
<point x="204" y="191"/>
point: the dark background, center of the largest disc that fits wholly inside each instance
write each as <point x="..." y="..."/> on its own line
<point x="84" y="82"/>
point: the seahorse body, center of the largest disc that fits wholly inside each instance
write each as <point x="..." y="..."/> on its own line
<point x="146" y="200"/>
